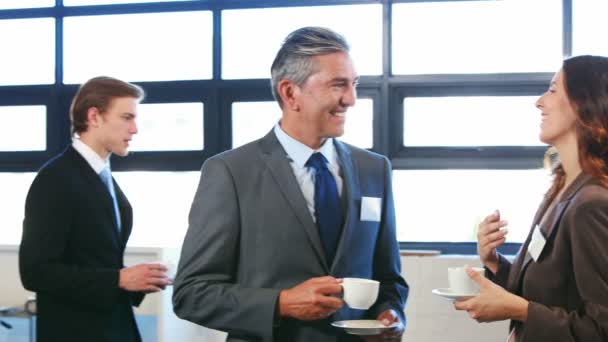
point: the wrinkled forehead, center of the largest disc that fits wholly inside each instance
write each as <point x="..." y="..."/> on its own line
<point x="335" y="65"/>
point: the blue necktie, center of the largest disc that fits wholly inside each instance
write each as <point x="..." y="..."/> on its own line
<point x="106" y="177"/>
<point x="328" y="211"/>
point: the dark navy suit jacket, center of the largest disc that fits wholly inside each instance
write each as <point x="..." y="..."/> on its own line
<point x="71" y="253"/>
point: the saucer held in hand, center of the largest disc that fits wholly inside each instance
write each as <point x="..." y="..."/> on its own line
<point x="452" y="296"/>
<point x="363" y="326"/>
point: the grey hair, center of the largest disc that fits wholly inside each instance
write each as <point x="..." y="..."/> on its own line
<point x="294" y="61"/>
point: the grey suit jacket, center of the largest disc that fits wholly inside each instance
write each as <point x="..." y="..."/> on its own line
<point x="568" y="285"/>
<point x="250" y="235"/>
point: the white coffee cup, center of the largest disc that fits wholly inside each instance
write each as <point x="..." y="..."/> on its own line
<point x="460" y="282"/>
<point x="171" y="268"/>
<point x="360" y="293"/>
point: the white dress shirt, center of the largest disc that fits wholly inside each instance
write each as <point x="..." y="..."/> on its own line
<point x="298" y="154"/>
<point x="94" y="159"/>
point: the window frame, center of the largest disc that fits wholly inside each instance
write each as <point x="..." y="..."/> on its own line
<point x="386" y="90"/>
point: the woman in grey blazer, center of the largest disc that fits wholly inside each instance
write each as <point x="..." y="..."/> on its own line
<point x="556" y="289"/>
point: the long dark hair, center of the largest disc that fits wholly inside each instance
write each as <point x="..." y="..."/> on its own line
<point x="586" y="83"/>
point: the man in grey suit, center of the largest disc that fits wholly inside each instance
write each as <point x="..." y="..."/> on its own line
<point x="277" y="223"/>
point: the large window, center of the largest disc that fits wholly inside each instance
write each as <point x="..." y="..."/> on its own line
<point x="12" y="200"/>
<point x="160" y="217"/>
<point x="471" y="121"/>
<point x="169" y="127"/>
<point x="22" y="128"/>
<point x="447" y="93"/>
<point x="587" y="31"/>
<point x="28" y="51"/>
<point x="247" y="55"/>
<point x="138" y="47"/>
<point x="12" y="4"/>
<point x="467" y="37"/>
<point x="447" y="205"/>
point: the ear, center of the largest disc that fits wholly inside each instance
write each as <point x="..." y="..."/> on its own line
<point x="288" y="92"/>
<point x="93" y="117"/>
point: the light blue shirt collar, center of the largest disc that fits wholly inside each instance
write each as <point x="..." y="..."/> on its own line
<point x="299" y="153"/>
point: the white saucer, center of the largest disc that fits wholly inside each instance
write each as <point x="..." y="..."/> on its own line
<point x="363" y="326"/>
<point x="453" y="296"/>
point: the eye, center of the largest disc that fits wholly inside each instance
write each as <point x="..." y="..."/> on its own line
<point x="552" y="88"/>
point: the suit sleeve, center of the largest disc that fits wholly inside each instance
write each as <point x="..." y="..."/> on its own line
<point x="502" y="273"/>
<point x="588" y="235"/>
<point x="393" y="290"/>
<point x="205" y="289"/>
<point x="43" y="252"/>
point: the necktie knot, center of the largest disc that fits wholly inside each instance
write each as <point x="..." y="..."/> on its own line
<point x="106" y="177"/>
<point x="317" y="161"/>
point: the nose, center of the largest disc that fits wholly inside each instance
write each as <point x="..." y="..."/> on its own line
<point x="350" y="96"/>
<point x="539" y="102"/>
<point x="134" y="127"/>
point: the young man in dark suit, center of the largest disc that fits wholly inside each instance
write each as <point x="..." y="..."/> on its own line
<point x="77" y="223"/>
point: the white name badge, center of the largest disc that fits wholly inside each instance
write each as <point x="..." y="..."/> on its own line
<point x="371" y="209"/>
<point x="537" y="244"/>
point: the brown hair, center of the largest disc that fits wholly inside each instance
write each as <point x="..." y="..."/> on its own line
<point x="99" y="92"/>
<point x="586" y="82"/>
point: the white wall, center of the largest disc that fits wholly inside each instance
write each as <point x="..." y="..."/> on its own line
<point x="430" y="318"/>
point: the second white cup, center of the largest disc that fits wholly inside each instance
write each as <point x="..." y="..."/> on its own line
<point x="360" y="293"/>
<point x="460" y="282"/>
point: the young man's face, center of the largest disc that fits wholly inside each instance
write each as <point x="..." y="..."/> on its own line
<point x="116" y="126"/>
<point x="326" y="95"/>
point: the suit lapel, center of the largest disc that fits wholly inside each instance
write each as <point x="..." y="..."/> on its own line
<point x="277" y="162"/>
<point x="126" y="214"/>
<point x="547" y="226"/>
<point x="553" y="216"/>
<point x="98" y="189"/>
<point x="351" y="191"/>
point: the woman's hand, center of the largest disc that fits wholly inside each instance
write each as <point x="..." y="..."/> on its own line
<point x="493" y="302"/>
<point x="489" y="236"/>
